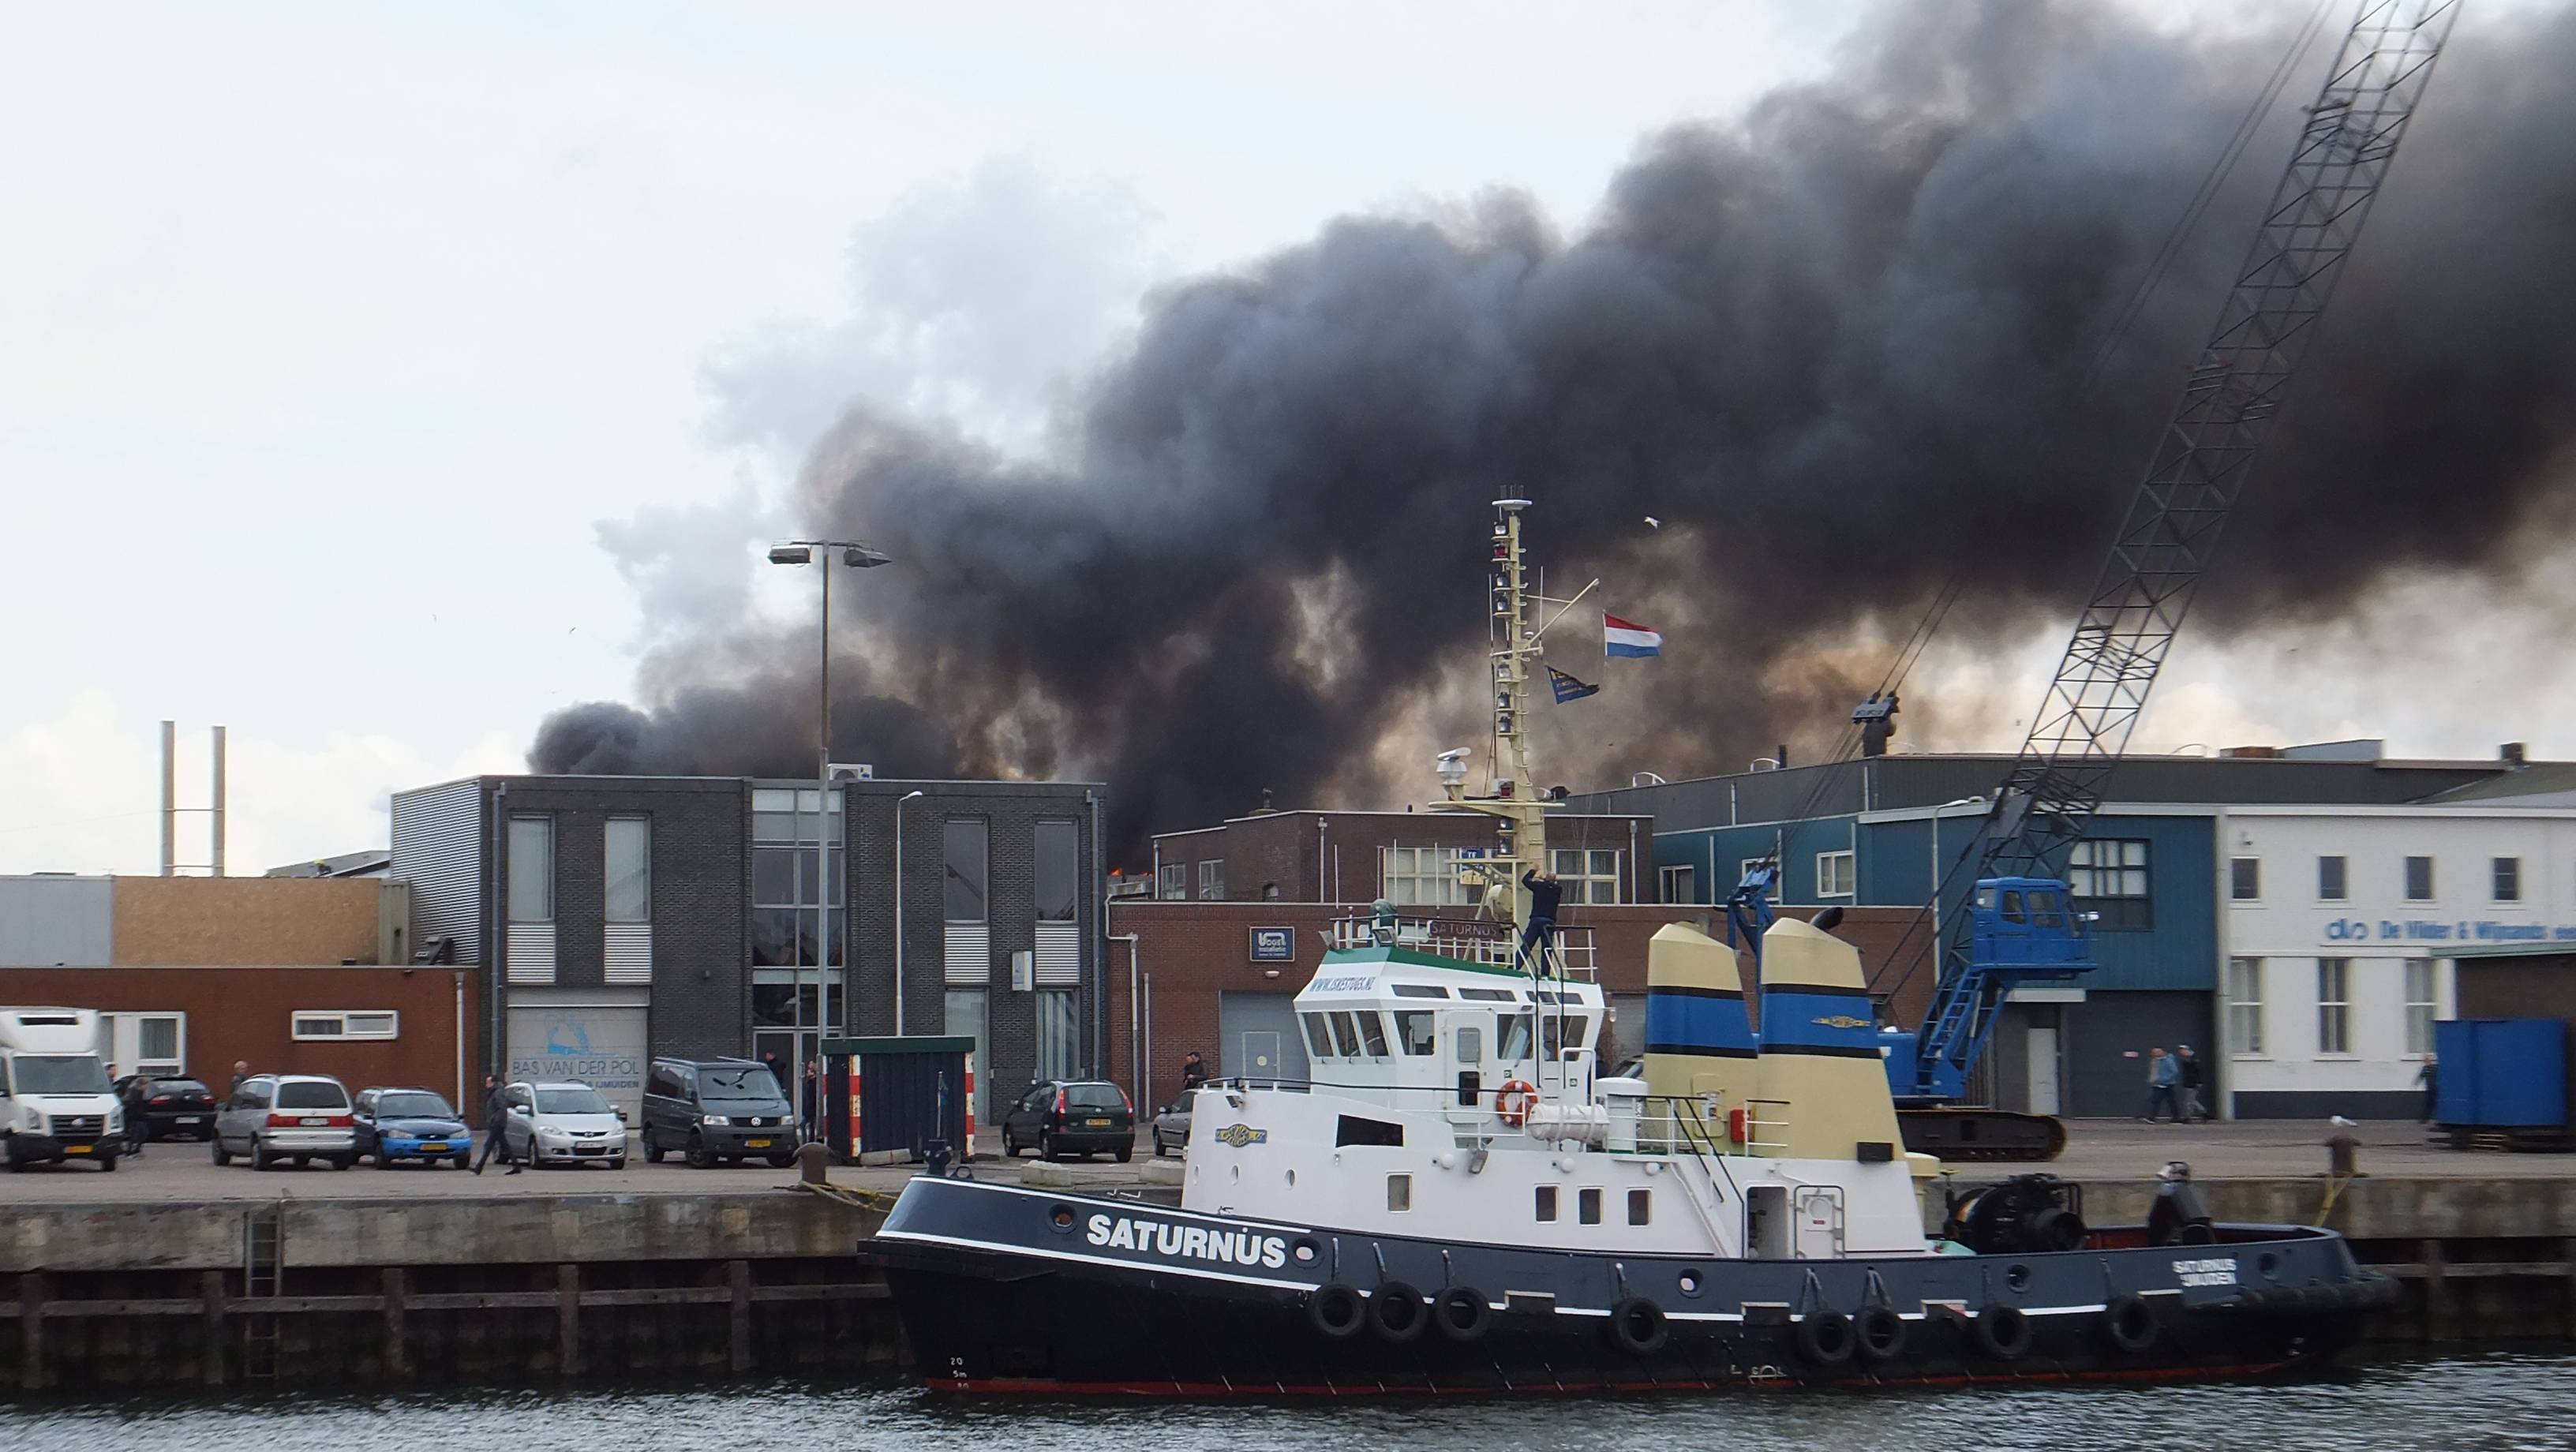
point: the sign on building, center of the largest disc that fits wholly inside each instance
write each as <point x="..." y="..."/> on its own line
<point x="1274" y="945"/>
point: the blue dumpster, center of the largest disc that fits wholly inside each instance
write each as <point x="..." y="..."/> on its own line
<point x="2501" y="1074"/>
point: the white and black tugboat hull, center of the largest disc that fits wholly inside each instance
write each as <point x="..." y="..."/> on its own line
<point x="1003" y="1288"/>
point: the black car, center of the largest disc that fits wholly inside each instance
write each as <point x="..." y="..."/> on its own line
<point x="166" y="1108"/>
<point x="410" y="1124"/>
<point x="1071" y="1117"/>
<point x="716" y="1111"/>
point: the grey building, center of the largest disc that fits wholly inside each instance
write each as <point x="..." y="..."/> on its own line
<point x="624" y="917"/>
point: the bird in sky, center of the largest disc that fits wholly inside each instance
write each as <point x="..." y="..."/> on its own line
<point x="1653" y="523"/>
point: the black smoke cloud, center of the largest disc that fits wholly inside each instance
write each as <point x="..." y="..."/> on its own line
<point x="1839" y="345"/>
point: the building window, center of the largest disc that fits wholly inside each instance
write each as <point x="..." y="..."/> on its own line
<point x="2419" y="1006"/>
<point x="1586" y="874"/>
<point x="156" y="1043"/>
<point x="2334" y="1005"/>
<point x="2330" y="879"/>
<point x="333" y="1024"/>
<point x="1058" y="1047"/>
<point x="799" y="883"/>
<point x="963" y="842"/>
<point x="1835" y="874"/>
<point x="1058" y="871"/>
<point x="1641" y="1206"/>
<point x="1677" y="883"/>
<point x="1399" y="1192"/>
<point x="2419" y="879"/>
<point x="532" y="869"/>
<point x="795" y="997"/>
<point x="1422" y="876"/>
<point x="2108" y="878"/>
<point x="1547" y="1204"/>
<point x="2245" y="1005"/>
<point x="2245" y="879"/>
<point x="1587" y="1207"/>
<point x="629" y="851"/>
<point x="1212" y="881"/>
<point x="1172" y="881"/>
<point x="2508" y="879"/>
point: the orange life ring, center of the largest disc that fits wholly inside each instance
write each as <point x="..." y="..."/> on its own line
<point x="1514" y="1101"/>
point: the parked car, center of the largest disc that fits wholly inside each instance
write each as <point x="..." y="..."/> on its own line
<point x="411" y="1124"/>
<point x="173" y="1107"/>
<point x="716" y="1110"/>
<point x="298" y="1118"/>
<point x="1071" y="1117"/>
<point x="1172" y="1127"/>
<point x="562" y="1122"/>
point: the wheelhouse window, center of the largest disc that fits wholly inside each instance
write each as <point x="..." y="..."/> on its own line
<point x="2109" y="880"/>
<point x="1372" y="1033"/>
<point x="1546" y="1206"/>
<point x="1417" y="1031"/>
<point x="1587" y="1206"/>
<point x="1399" y="1192"/>
<point x="1641" y="1206"/>
<point x="1512" y="1035"/>
<point x="1319" y="1035"/>
<point x="1346" y="1035"/>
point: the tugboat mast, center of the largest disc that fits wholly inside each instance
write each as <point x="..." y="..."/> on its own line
<point x="1519" y="810"/>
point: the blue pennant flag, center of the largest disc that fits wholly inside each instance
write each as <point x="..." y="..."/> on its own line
<point x="1567" y="688"/>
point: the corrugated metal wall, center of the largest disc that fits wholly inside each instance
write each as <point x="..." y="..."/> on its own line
<point x="438" y="848"/>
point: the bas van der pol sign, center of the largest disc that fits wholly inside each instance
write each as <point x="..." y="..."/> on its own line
<point x="1187" y="1242"/>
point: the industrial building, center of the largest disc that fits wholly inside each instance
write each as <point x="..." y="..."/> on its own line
<point x="2206" y="877"/>
<point x="620" y="918"/>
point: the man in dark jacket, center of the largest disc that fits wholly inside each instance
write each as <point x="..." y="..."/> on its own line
<point x="496" y="1116"/>
<point x="1541" y="932"/>
<point x="2187" y="1085"/>
<point x="1193" y="1072"/>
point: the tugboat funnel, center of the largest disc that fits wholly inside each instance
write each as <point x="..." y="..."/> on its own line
<point x="1699" y="1042"/>
<point x="1819" y="1069"/>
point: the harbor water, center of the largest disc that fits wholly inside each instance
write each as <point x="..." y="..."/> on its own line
<point x="2506" y="1399"/>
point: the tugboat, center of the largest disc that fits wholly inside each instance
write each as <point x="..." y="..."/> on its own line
<point x="1461" y="1200"/>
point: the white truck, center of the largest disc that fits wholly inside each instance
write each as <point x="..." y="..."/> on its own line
<point x="55" y="1101"/>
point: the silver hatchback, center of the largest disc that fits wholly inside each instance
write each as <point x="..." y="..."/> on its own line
<point x="298" y="1118"/>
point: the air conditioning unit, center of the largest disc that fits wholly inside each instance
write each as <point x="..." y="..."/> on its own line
<point x="853" y="771"/>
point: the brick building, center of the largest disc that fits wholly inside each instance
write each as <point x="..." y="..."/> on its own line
<point x="624" y="917"/>
<point x="1240" y="912"/>
<point x="191" y="974"/>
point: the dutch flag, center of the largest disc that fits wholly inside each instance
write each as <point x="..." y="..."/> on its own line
<point x="1627" y="637"/>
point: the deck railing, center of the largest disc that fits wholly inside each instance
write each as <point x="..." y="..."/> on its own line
<point x="1485" y="941"/>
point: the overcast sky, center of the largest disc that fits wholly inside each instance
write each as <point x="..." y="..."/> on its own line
<point x="364" y="370"/>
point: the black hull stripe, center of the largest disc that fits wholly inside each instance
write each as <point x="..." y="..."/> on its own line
<point x="1557" y="1387"/>
<point x="1704" y="1051"/>
<point x="1830" y="990"/>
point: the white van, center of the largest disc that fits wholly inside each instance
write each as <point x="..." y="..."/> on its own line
<point x="55" y="1101"/>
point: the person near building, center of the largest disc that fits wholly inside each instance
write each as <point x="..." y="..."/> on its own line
<point x="2162" y="1077"/>
<point x="1541" y="933"/>
<point x="2187" y="1084"/>
<point x="496" y="1115"/>
<point x="2429" y="1078"/>
<point x="1194" y="1072"/>
<point x="812" y="1113"/>
<point x="777" y="1071"/>
<point x="241" y="1071"/>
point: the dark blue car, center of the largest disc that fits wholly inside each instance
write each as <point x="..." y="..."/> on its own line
<point x="411" y="1124"/>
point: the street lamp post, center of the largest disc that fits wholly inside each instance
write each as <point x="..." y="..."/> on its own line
<point x="857" y="556"/>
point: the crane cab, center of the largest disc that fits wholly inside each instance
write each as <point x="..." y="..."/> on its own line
<point x="2026" y="924"/>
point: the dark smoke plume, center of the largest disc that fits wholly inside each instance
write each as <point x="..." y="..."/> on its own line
<point x="1837" y="345"/>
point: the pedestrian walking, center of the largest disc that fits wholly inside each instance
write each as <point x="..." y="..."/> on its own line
<point x="1194" y="1072"/>
<point x="813" y="1111"/>
<point x="2429" y="1078"/>
<point x="2162" y="1077"/>
<point x="1541" y="933"/>
<point x="2187" y="1083"/>
<point x="496" y="1118"/>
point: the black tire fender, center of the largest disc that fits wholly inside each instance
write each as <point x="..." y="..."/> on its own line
<point x="1826" y="1338"/>
<point x="2130" y="1324"/>
<point x="2002" y="1332"/>
<point x="1637" y="1326"/>
<point x="1398" y="1311"/>
<point x="1462" y="1313"/>
<point x="1337" y="1310"/>
<point x="1881" y="1333"/>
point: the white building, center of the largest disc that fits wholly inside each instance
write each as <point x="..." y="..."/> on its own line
<point x="2337" y="933"/>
